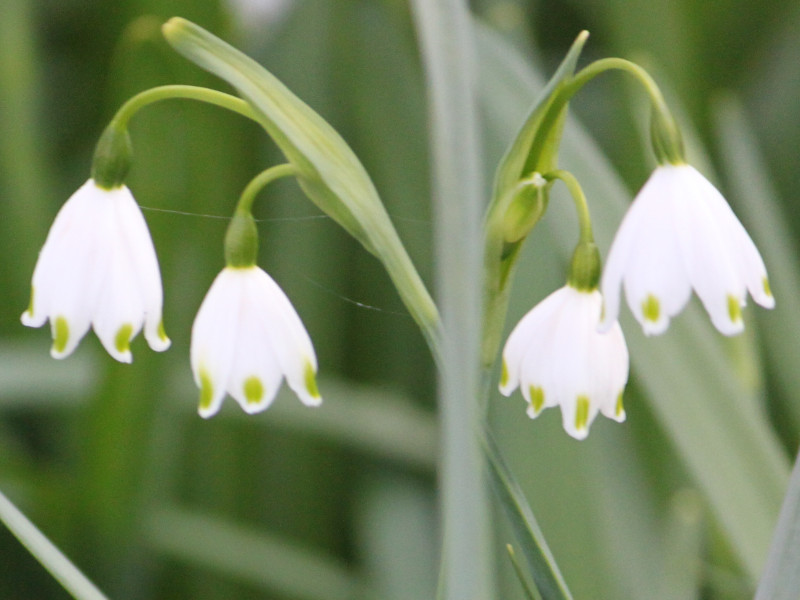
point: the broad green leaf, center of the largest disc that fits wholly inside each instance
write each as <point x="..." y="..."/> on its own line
<point x="330" y="173"/>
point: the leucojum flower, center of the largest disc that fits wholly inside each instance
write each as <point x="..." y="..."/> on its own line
<point x="680" y="234"/>
<point x="557" y="356"/>
<point x="247" y="336"/>
<point x="98" y="268"/>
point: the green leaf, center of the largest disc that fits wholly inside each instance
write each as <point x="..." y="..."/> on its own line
<point x="541" y="563"/>
<point x="330" y="173"/>
<point x="265" y="561"/>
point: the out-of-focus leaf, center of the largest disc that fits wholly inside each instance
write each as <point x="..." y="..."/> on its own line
<point x="233" y="549"/>
<point x="757" y="204"/>
<point x="781" y="579"/>
<point x="447" y="46"/>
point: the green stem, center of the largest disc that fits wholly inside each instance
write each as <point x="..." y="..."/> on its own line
<point x="241" y="239"/>
<point x="581" y="206"/>
<point x="598" y="67"/>
<point x="183" y="92"/>
<point x="260" y="181"/>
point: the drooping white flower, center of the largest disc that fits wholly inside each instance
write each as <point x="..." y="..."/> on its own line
<point x="98" y="269"/>
<point x="246" y="337"/>
<point x="680" y="234"/>
<point x="557" y="356"/>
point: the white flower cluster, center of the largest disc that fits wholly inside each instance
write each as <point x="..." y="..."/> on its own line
<point x="98" y="268"/>
<point x="679" y="234"/>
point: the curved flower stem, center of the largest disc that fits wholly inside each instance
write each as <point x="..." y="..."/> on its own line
<point x="260" y="181"/>
<point x="241" y="239"/>
<point x="591" y="71"/>
<point x="581" y="206"/>
<point x="183" y="92"/>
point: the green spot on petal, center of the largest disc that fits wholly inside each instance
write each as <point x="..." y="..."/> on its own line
<point x="162" y="334"/>
<point x="734" y="309"/>
<point x="253" y="390"/>
<point x="619" y="409"/>
<point x="206" y="390"/>
<point x="651" y="309"/>
<point x="582" y="413"/>
<point x="122" y="342"/>
<point x="33" y="291"/>
<point x="764" y="283"/>
<point x="60" y="335"/>
<point x="537" y="398"/>
<point x="504" y="375"/>
<point x="311" y="381"/>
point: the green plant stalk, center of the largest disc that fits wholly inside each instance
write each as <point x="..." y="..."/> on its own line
<point x="500" y="259"/>
<point x="51" y="558"/>
<point x="445" y="36"/>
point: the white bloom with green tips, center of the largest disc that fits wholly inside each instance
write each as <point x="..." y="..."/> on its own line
<point x="246" y="337"/>
<point x="98" y="269"/>
<point x="680" y="234"/>
<point x="557" y="356"/>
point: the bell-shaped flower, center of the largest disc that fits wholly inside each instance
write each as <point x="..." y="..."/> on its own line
<point x="246" y="337"/>
<point x="98" y="269"/>
<point x="557" y="356"/>
<point x="680" y="234"/>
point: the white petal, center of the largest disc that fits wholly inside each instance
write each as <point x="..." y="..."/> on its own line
<point x="70" y="270"/>
<point x="290" y="342"/>
<point x="741" y="249"/>
<point x="119" y="312"/>
<point x="519" y="341"/>
<point x="255" y="374"/>
<point x="707" y="252"/>
<point x="214" y="339"/>
<point x="138" y="244"/>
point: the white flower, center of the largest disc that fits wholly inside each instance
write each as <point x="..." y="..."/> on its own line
<point x="557" y="356"/>
<point x="680" y="234"/>
<point x="98" y="268"/>
<point x="245" y="338"/>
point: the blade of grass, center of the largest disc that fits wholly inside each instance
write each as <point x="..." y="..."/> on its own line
<point x="541" y="564"/>
<point x="51" y="558"/>
<point x="445" y="35"/>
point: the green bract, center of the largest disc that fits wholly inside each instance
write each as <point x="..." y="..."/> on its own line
<point x="327" y="169"/>
<point x="534" y="150"/>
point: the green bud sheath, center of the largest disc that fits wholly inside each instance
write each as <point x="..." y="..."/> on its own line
<point x="241" y="241"/>
<point x="112" y="157"/>
<point x="584" y="272"/>
<point x="527" y="207"/>
<point x="666" y="138"/>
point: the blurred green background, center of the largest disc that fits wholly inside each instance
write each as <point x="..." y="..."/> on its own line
<point x="113" y="463"/>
